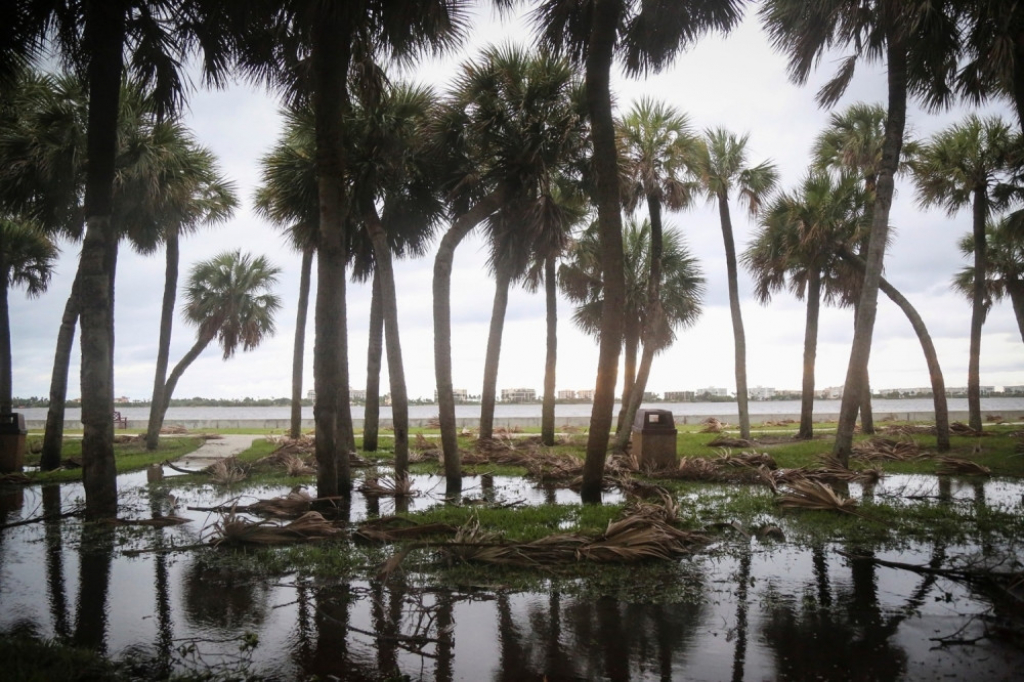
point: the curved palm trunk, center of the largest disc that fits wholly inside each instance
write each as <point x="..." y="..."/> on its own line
<point x="396" y="368"/>
<point x="299" y="346"/>
<point x="653" y="321"/>
<point x="502" y="281"/>
<point x="547" y="410"/>
<point x="105" y="35"/>
<point x="930" y="356"/>
<point x="1015" y="288"/>
<point x="737" y="319"/>
<point x="867" y="416"/>
<point x="860" y="351"/>
<point x="53" y="437"/>
<point x="604" y="25"/>
<point x="810" y="354"/>
<point x="172" y="379"/>
<point x="977" y="309"/>
<point x="6" y="384"/>
<point x="330" y="55"/>
<point x="163" y="350"/>
<point x="630" y="351"/>
<point x="374" y="356"/>
<point x="442" y="291"/>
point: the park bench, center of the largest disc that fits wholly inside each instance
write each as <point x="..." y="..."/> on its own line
<point x="120" y="421"/>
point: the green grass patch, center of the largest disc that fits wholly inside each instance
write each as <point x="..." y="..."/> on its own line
<point x="127" y="457"/>
<point x="525" y="524"/>
<point x="29" y="658"/>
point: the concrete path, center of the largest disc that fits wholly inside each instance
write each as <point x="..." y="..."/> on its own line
<point x="217" y="448"/>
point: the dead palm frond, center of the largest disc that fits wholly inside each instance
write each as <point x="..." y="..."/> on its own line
<point x="311" y="526"/>
<point x="951" y="466"/>
<point x="907" y="429"/>
<point x="667" y="510"/>
<point x="225" y="472"/>
<point x="745" y="459"/>
<point x="961" y="429"/>
<point x="295" y="503"/>
<point x="727" y="442"/>
<point x="813" y="495"/>
<point x="832" y="469"/>
<point x="888" y="449"/>
<point x="155" y="522"/>
<point x="994" y="418"/>
<point x="386" y="487"/>
<point x="713" y="425"/>
<point x="398" y="528"/>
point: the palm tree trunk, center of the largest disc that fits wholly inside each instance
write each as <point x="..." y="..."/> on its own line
<point x="330" y="55"/>
<point x="547" y="410"/>
<point x="650" y="328"/>
<point x="396" y="368"/>
<point x="737" y="319"/>
<point x="1018" y="80"/>
<point x="860" y="351"/>
<point x="374" y="357"/>
<point x="172" y="379"/>
<point x="977" y="309"/>
<point x="867" y="416"/>
<point x="810" y="354"/>
<point x="6" y="383"/>
<point x="630" y="350"/>
<point x="930" y="356"/>
<point x="163" y="349"/>
<point x="104" y="34"/>
<point x="1015" y="288"/>
<point x="442" y="291"/>
<point x="605" y="18"/>
<point x="299" y="346"/>
<point x="502" y="282"/>
<point x="53" y="437"/>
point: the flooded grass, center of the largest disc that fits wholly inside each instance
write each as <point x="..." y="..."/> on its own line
<point x="773" y="593"/>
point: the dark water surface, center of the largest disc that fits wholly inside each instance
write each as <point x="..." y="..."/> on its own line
<point x="749" y="611"/>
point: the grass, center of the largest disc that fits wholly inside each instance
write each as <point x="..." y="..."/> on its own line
<point x="127" y="457"/>
<point x="29" y="658"/>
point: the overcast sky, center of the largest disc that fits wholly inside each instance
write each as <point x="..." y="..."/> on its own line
<point x="736" y="82"/>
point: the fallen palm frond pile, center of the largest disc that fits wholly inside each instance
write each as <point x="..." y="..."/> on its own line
<point x="398" y="528"/>
<point x="374" y="486"/>
<point x="951" y="466"/>
<point x="779" y="422"/>
<point x="745" y="459"/>
<point x="424" y="450"/>
<point x="907" y="430"/>
<point x="833" y="470"/>
<point x="727" y="442"/>
<point x="994" y="418"/>
<point x="303" y="449"/>
<point x="888" y="449"/>
<point x="237" y="530"/>
<point x="173" y="429"/>
<point x="961" y="429"/>
<point x="155" y="522"/>
<point x="290" y="506"/>
<point x="713" y="425"/>
<point x="812" y="495"/>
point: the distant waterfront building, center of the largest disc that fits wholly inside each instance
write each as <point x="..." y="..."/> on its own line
<point x="679" y="396"/>
<point x="585" y="394"/>
<point x="567" y="394"/>
<point x="1013" y="390"/>
<point x="311" y="395"/>
<point x="714" y="392"/>
<point x="357" y="394"/>
<point x="830" y="393"/>
<point x="518" y="395"/>
<point x="460" y="395"/>
<point x="761" y="393"/>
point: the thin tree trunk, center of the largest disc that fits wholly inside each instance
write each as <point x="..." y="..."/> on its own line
<point x="867" y="416"/>
<point x="104" y="38"/>
<point x="163" y="350"/>
<point x="605" y="19"/>
<point x="977" y="309"/>
<point x="346" y="428"/>
<point x="931" y="357"/>
<point x="860" y="352"/>
<point x="651" y="325"/>
<point x="53" y="437"/>
<point x="547" y="410"/>
<point x="330" y="55"/>
<point x="737" y="319"/>
<point x="396" y="367"/>
<point x="810" y="354"/>
<point x="374" y="357"/>
<point x="442" y="291"/>
<point x="1015" y="288"/>
<point x="630" y="351"/>
<point x="6" y="383"/>
<point x="172" y="380"/>
<point x="299" y="346"/>
<point x="502" y="282"/>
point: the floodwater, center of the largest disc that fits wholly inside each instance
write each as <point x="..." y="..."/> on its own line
<point x="738" y="611"/>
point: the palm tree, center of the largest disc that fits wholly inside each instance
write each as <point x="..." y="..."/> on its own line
<point x="509" y="123"/>
<point x="720" y="165"/>
<point x="194" y="194"/>
<point x="918" y="40"/>
<point x="681" y="289"/>
<point x="307" y="50"/>
<point x="794" y="247"/>
<point x="95" y="38"/>
<point x="965" y="165"/>
<point x="646" y="36"/>
<point x="1004" y="272"/>
<point x="656" y="144"/>
<point x="227" y="298"/>
<point x="27" y="257"/>
<point x="994" y="53"/>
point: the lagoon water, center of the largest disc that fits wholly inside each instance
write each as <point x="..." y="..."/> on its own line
<point x="1009" y="408"/>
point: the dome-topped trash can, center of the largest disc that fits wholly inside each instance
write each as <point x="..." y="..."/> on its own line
<point x="654" y="439"/>
<point x="12" y="442"/>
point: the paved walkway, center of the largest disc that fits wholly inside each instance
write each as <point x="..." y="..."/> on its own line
<point x="218" y="448"/>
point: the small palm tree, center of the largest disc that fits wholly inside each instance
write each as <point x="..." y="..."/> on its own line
<point x="1004" y="274"/>
<point x="27" y="257"/>
<point x="229" y="299"/>
<point x="720" y="165"/>
<point x="969" y="164"/>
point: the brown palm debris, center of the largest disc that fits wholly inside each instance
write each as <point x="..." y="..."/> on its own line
<point x="888" y="449"/>
<point x="434" y="422"/>
<point x="832" y="469"/>
<point x="713" y="425"/>
<point x="305" y="444"/>
<point x="374" y="486"/>
<point x="727" y="442"/>
<point x="397" y="528"/>
<point x="813" y="495"/>
<point x="961" y="429"/>
<point x="907" y="429"/>
<point x="126" y="438"/>
<point x="667" y="511"/>
<point x="311" y="526"/>
<point x="14" y="477"/>
<point x="952" y="466"/>
<point x="155" y="522"/>
<point x="225" y="472"/>
<point x="635" y="488"/>
<point x="506" y="431"/>
<point x="779" y="422"/>
<point x="745" y="459"/>
<point x="295" y="503"/>
<point x="995" y="418"/>
<point x="173" y="429"/>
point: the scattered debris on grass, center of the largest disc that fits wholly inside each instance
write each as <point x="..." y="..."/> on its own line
<point x="813" y="495"/>
<point x="237" y="530"/>
<point x="888" y="449"/>
<point x="961" y="429"/>
<point x="952" y="466"/>
<point x="713" y="425"/>
<point x="374" y="486"/>
<point x="398" y="528"/>
<point x="727" y="442"/>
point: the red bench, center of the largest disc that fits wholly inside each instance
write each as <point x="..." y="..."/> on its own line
<point x="120" y="421"/>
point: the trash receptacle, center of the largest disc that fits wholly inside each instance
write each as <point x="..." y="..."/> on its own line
<point x="12" y="442"/>
<point x="654" y="439"/>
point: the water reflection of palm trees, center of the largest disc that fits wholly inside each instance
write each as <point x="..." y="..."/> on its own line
<point x="95" y="556"/>
<point x="54" y="542"/>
